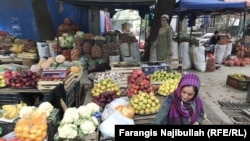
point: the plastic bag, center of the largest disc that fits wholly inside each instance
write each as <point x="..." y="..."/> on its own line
<point x="110" y="108"/>
<point x="27" y="127"/>
<point x="107" y="127"/>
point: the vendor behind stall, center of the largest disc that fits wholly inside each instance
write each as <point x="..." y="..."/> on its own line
<point x="213" y="41"/>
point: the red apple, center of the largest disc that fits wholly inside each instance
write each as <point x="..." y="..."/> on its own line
<point x="7" y="74"/>
<point x="13" y="85"/>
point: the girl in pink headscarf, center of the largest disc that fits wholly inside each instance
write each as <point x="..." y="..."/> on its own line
<point x="183" y="106"/>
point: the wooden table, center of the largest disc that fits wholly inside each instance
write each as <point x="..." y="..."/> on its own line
<point x="13" y="91"/>
<point x="11" y="60"/>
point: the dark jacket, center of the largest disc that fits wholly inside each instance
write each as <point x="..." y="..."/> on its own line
<point x="214" y="40"/>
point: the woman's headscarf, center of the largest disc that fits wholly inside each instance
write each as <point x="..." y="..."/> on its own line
<point x="185" y="112"/>
<point x="165" y="16"/>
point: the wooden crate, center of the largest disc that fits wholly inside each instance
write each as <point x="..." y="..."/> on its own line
<point x="27" y="55"/>
<point x="144" y="119"/>
<point x="46" y="85"/>
<point x="123" y="68"/>
<point x="238" y="84"/>
<point x="78" y="75"/>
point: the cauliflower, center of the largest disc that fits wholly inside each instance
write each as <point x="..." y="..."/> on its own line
<point x="67" y="131"/>
<point x="46" y="107"/>
<point x="95" y="121"/>
<point x="84" y="111"/>
<point x="93" y="107"/>
<point x="26" y="111"/>
<point x="88" y="127"/>
<point x="70" y="115"/>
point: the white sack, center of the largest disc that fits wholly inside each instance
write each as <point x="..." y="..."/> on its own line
<point x="175" y="54"/>
<point x="199" y="58"/>
<point x="135" y="51"/>
<point x="153" y="56"/>
<point x="219" y="53"/>
<point x="184" y="54"/>
<point x="124" y="49"/>
<point x="191" y="52"/>
<point x="107" y="127"/>
<point x="228" y="50"/>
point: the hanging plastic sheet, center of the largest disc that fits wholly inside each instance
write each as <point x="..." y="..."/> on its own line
<point x="17" y="18"/>
<point x="79" y="15"/>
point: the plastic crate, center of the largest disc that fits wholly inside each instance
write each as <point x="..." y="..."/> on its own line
<point x="91" y="137"/>
<point x="238" y="84"/>
<point x="53" y="123"/>
<point x="151" y="67"/>
<point x="9" y="99"/>
<point x="77" y="87"/>
<point x="77" y="92"/>
<point x="70" y="97"/>
<point x="7" y="127"/>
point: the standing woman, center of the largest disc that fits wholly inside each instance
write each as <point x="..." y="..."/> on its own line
<point x="163" y="43"/>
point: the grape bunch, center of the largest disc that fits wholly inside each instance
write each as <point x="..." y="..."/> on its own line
<point x="105" y="98"/>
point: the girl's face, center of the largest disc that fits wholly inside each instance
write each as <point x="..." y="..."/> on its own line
<point x="187" y="93"/>
<point x="164" y="21"/>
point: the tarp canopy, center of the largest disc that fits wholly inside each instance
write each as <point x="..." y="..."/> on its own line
<point x="108" y="3"/>
<point x="141" y="5"/>
<point x="209" y="4"/>
<point x="247" y="1"/>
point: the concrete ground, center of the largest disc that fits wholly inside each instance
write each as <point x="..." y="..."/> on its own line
<point x="214" y="89"/>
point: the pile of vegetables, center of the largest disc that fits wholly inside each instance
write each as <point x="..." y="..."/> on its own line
<point x="32" y="124"/>
<point x="46" y="107"/>
<point x="111" y="48"/>
<point x="67" y="40"/>
<point x="96" y="51"/>
<point x="128" y="39"/>
<point x="210" y="67"/>
<point x="68" y="26"/>
<point x="79" y="122"/>
<point x="235" y="61"/>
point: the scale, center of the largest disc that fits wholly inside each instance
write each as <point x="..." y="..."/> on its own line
<point x="59" y="72"/>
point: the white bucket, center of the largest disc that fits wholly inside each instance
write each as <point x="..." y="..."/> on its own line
<point x="114" y="59"/>
<point x="43" y="49"/>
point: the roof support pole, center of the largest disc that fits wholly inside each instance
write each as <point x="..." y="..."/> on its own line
<point x="244" y="24"/>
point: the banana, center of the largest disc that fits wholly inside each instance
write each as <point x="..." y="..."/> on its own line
<point x="8" y="111"/>
<point x="7" y="107"/>
<point x="14" y="113"/>
<point x="20" y="105"/>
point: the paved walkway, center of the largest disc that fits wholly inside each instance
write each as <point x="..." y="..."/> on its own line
<point x="214" y="89"/>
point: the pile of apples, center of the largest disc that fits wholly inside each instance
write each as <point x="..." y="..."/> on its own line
<point x="105" y="98"/>
<point x="105" y="85"/>
<point x="145" y="103"/>
<point x="24" y="79"/>
<point x="137" y="82"/>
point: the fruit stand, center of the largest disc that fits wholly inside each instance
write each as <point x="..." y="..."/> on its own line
<point x="64" y="62"/>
